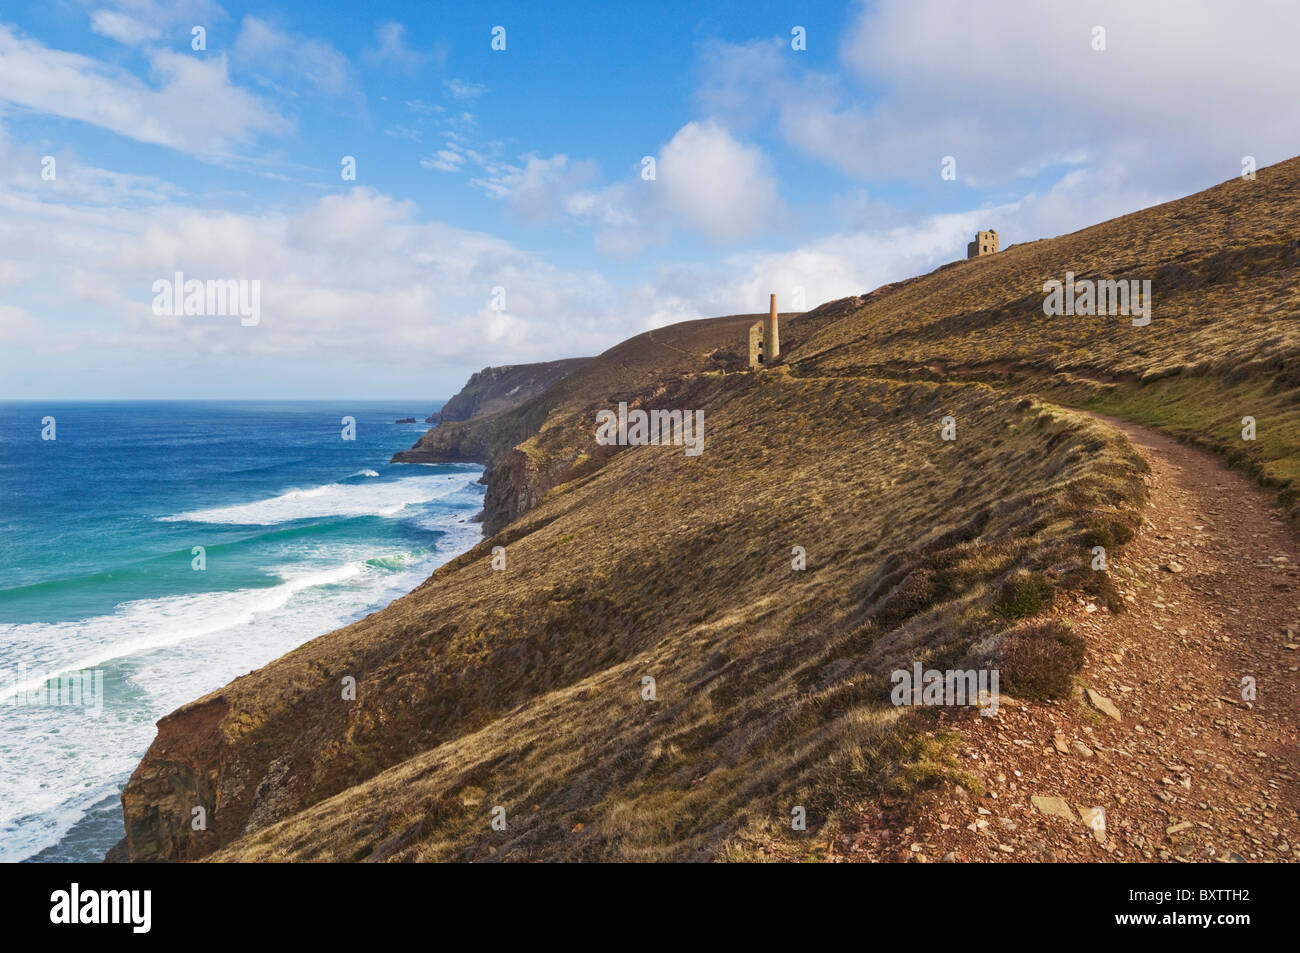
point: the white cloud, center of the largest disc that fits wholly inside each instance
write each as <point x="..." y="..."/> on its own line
<point x="288" y="56"/>
<point x="556" y="189"/>
<point x="1028" y="74"/>
<point x="1183" y="90"/>
<point x="359" y="279"/>
<point x="716" y="183"/>
<point x="610" y="206"/>
<point x="706" y="181"/>
<point x="853" y="261"/>
<point x="17" y="326"/>
<point x="404" y="132"/>
<point x="356" y="277"/>
<point x="140" y="22"/>
<point x="193" y="107"/>
<point x="834" y="266"/>
<point x="391" y="49"/>
<point x="462" y="91"/>
<point x="124" y="29"/>
<point x="14" y="273"/>
<point x="450" y="159"/>
<point x="544" y="190"/>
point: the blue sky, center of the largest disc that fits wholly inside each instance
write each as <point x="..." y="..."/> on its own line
<point x="814" y="173"/>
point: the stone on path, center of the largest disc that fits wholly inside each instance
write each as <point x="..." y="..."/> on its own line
<point x="1104" y="705"/>
<point x="1053" y="807"/>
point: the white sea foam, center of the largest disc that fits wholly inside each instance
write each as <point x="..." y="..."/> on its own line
<point x="332" y="499"/>
<point x="161" y="653"/>
<point x="43" y="650"/>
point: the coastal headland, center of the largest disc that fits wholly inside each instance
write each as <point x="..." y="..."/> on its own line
<point x="654" y="655"/>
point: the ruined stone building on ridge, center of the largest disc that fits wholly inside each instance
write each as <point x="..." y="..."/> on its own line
<point x="986" y="243"/>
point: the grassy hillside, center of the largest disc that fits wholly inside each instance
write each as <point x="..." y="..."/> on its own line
<point x="524" y="688"/>
<point x="1223" y="342"/>
<point x="545" y="441"/>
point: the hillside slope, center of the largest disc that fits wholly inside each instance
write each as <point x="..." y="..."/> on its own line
<point x="1223" y="342"/>
<point x="525" y="688"/>
<point x="1192" y="766"/>
<point x="544" y="442"/>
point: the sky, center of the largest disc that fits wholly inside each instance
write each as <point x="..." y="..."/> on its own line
<point x="535" y="181"/>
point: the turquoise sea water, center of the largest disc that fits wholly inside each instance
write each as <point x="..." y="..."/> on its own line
<point x="102" y="590"/>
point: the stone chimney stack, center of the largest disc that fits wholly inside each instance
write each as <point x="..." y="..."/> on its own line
<point x="771" y="335"/>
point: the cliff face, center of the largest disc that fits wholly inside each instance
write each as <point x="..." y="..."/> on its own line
<point x="495" y="389"/>
<point x="530" y="449"/>
<point x="680" y="648"/>
<point x="182" y="775"/>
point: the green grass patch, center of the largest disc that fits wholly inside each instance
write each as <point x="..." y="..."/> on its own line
<point x="1022" y="595"/>
<point x="1208" y="412"/>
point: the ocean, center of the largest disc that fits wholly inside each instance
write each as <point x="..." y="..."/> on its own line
<point x="152" y="552"/>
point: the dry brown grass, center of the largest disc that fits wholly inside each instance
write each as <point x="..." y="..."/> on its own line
<point x="523" y="688"/>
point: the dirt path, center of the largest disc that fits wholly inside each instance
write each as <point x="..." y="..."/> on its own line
<point x="1191" y="771"/>
<point x="651" y="336"/>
